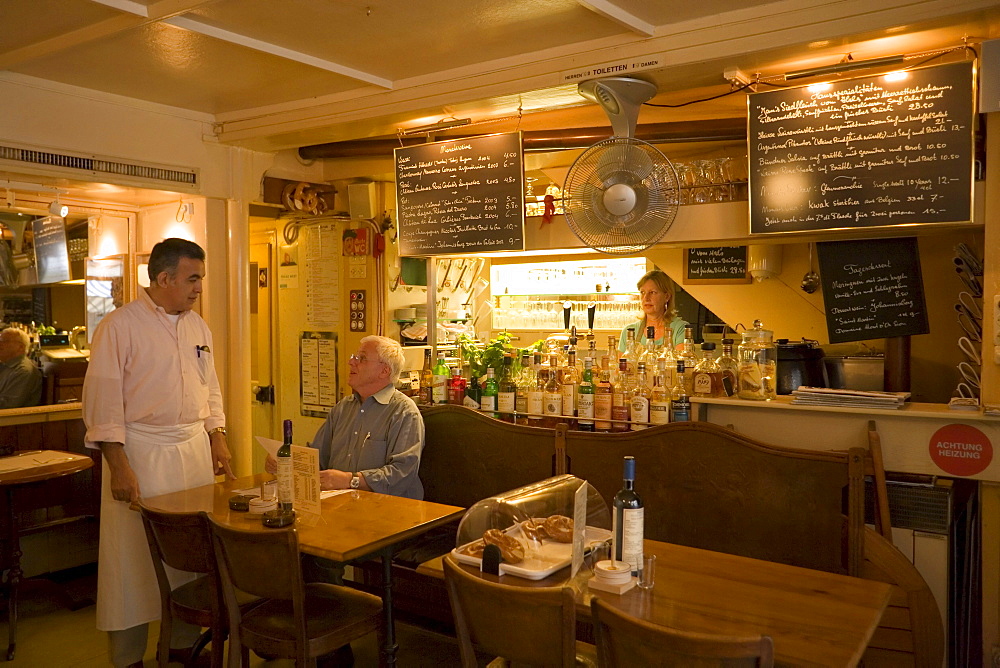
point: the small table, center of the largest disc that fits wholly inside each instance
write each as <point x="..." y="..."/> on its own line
<point x="23" y="468"/>
<point x="351" y="525"/>
<point x="813" y="617"/>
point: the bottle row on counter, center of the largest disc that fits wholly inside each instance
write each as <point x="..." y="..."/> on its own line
<point x="610" y="392"/>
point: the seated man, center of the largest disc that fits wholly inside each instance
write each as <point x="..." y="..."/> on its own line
<point x="373" y="438"/>
<point x="20" y="379"/>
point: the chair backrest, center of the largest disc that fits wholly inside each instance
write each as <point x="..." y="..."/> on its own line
<point x="180" y="540"/>
<point x="624" y="641"/>
<point x="468" y="456"/>
<point x="262" y="562"/>
<point x="533" y="625"/>
<point x="910" y="631"/>
<point x="706" y="486"/>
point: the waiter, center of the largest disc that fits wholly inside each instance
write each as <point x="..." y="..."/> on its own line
<point x="152" y="404"/>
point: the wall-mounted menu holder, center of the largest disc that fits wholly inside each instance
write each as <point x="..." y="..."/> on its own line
<point x="461" y="196"/>
<point x="867" y="152"/>
<point x="719" y="264"/>
<point x="872" y="289"/>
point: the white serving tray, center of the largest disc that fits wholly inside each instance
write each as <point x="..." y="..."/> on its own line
<point x="539" y="562"/>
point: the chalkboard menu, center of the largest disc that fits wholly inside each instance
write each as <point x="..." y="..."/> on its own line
<point x="868" y="152"/>
<point x="461" y="196"/>
<point x="721" y="264"/>
<point x="51" y="252"/>
<point x="872" y="289"/>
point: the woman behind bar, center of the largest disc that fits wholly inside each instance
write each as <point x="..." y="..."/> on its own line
<point x="657" y="292"/>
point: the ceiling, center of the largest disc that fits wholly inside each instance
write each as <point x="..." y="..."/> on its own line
<point x="282" y="74"/>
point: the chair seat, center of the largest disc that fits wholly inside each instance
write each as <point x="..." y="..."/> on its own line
<point x="334" y="616"/>
<point x="192" y="601"/>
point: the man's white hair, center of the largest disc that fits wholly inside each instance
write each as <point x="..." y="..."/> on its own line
<point x="389" y="352"/>
<point x="21" y="335"/>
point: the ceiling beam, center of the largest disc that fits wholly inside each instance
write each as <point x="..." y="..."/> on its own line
<point x="275" y="50"/>
<point x="610" y="10"/>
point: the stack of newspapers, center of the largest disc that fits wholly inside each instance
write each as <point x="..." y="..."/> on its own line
<point x="821" y="396"/>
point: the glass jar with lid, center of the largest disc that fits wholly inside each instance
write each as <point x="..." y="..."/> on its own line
<point x="758" y="364"/>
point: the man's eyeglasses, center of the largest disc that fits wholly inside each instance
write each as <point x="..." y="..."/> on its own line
<point x="360" y="358"/>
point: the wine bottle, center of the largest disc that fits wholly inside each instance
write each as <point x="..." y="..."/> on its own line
<point x="488" y="402"/>
<point x="507" y="390"/>
<point x="285" y="483"/>
<point x="628" y="520"/>
<point x="427" y="379"/>
<point x="585" y="398"/>
<point x="440" y="380"/>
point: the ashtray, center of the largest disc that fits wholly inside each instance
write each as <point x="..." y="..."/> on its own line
<point x="240" y="502"/>
<point x="278" y="518"/>
<point x="260" y="506"/>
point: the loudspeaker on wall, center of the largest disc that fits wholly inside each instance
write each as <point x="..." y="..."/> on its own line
<point x="361" y="200"/>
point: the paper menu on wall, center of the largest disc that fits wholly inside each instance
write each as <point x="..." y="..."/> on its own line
<point x="305" y="468"/>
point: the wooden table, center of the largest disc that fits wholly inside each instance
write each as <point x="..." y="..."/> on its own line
<point x="813" y="617"/>
<point x="18" y="470"/>
<point x="351" y="525"/>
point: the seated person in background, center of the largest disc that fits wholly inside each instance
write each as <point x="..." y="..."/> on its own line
<point x="20" y="379"/>
<point x="373" y="438"/>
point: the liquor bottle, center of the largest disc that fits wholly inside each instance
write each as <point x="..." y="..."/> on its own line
<point x="639" y="401"/>
<point x="490" y="391"/>
<point x="286" y="485"/>
<point x="585" y="397"/>
<point x="649" y="355"/>
<point x="553" y="394"/>
<point x="680" y="399"/>
<point x="659" y="397"/>
<point x="473" y="394"/>
<point x="602" y="401"/>
<point x="507" y="390"/>
<point x="456" y="387"/>
<point x="536" y="394"/>
<point x="729" y="367"/>
<point x="592" y="355"/>
<point x="707" y="378"/>
<point x="440" y="380"/>
<point x="525" y="381"/>
<point x="427" y="379"/>
<point x="570" y="382"/>
<point x="668" y="356"/>
<point x="628" y="522"/>
<point x="612" y="361"/>
<point x="630" y="352"/>
<point x="619" y="398"/>
<point x="688" y="353"/>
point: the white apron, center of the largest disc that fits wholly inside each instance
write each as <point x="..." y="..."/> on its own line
<point x="164" y="459"/>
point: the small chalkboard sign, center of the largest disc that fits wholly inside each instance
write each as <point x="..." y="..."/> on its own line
<point x="461" y="196"/>
<point x="872" y="289"/>
<point x="869" y="152"/>
<point x="719" y="264"/>
<point x="51" y="252"/>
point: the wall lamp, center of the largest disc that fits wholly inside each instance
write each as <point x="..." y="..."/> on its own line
<point x="845" y="66"/>
<point x="58" y="209"/>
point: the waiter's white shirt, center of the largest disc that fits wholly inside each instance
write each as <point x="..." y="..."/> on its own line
<point x="151" y="385"/>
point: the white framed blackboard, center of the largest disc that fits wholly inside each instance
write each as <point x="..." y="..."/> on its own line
<point x="872" y="289"/>
<point x="717" y="264"/>
<point x="869" y="152"/>
<point x="461" y="196"/>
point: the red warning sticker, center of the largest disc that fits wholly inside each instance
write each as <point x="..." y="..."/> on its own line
<point x="960" y="449"/>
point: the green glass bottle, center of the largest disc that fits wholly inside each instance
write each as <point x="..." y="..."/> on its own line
<point x="585" y="398"/>
<point x="285" y="474"/>
<point x="490" y="392"/>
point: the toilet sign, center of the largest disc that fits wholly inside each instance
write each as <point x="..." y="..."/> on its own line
<point x="961" y="450"/>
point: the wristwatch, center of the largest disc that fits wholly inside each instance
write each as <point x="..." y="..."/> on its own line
<point x="217" y="430"/>
<point x="355" y="481"/>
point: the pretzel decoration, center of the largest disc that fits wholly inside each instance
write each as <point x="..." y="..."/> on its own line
<point x="304" y="198"/>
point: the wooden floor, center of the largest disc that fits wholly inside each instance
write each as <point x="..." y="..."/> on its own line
<point x="52" y="636"/>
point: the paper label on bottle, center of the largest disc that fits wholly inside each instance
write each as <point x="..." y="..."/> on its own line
<point x="569" y="399"/>
<point x="702" y="384"/>
<point x="602" y="408"/>
<point x="659" y="412"/>
<point x="632" y="521"/>
<point x="440" y="389"/>
<point x="471" y="402"/>
<point x="505" y="402"/>
<point x="286" y="489"/>
<point x="488" y="402"/>
<point x="639" y="412"/>
<point x="553" y="403"/>
<point x="535" y="403"/>
<point x="585" y="407"/>
<point x="521" y="403"/>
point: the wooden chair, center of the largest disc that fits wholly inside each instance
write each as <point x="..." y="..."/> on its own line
<point x="531" y="625"/>
<point x="182" y="541"/>
<point x="910" y="632"/>
<point x="624" y="641"/>
<point x="296" y="620"/>
<point x="708" y="487"/>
